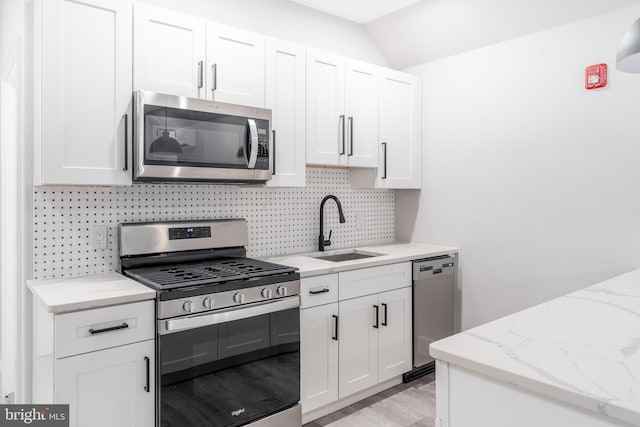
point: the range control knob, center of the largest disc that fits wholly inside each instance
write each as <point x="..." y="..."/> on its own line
<point x="188" y="306"/>
<point x="282" y="291"/>
<point x="208" y="303"/>
<point x="266" y="293"/>
<point x="238" y="298"/>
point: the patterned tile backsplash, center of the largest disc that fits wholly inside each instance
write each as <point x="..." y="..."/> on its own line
<point x="281" y="220"/>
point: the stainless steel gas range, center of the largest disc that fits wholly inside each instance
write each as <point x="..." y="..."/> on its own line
<point x="228" y="327"/>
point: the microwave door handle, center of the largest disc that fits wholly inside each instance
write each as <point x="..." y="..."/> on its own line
<point x="253" y="143"/>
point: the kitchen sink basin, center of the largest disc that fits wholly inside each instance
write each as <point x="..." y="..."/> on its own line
<point x="346" y="256"/>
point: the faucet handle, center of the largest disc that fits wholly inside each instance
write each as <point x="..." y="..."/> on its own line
<point x="327" y="242"/>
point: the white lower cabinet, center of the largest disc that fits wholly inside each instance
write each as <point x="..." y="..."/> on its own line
<point x="101" y="362"/>
<point x="353" y="337"/>
<point x="319" y="354"/>
<point x="358" y="345"/>
<point x="110" y="387"/>
<point x="395" y="334"/>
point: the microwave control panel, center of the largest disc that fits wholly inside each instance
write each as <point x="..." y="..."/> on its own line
<point x="262" y="161"/>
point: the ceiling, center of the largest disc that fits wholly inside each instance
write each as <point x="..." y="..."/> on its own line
<point x="360" y="11"/>
<point x="431" y="29"/>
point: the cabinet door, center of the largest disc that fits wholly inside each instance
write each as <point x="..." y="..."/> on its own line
<point x="394" y="337"/>
<point x="83" y="91"/>
<point x="399" y="131"/>
<point x="169" y="52"/>
<point x="361" y="107"/>
<point x="235" y="65"/>
<point x="106" y="388"/>
<point x="285" y="97"/>
<point x="358" y="338"/>
<point x="318" y="356"/>
<point x="326" y="122"/>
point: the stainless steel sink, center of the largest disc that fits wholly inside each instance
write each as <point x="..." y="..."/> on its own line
<point x="346" y="256"/>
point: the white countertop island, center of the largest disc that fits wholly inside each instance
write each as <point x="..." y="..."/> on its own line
<point x="572" y="361"/>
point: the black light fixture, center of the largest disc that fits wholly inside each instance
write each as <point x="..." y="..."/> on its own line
<point x="628" y="58"/>
<point x="165" y="143"/>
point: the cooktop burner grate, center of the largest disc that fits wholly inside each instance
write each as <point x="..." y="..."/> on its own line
<point x="209" y="272"/>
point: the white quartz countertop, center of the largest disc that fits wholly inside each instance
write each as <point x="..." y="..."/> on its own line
<point x="582" y="348"/>
<point x="81" y="293"/>
<point x="389" y="254"/>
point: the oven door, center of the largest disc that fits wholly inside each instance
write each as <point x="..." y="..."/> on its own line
<point x="181" y="138"/>
<point x="230" y="367"/>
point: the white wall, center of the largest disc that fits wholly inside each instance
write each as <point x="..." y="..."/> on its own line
<point x="15" y="266"/>
<point x="433" y="29"/>
<point x="286" y="20"/>
<point x="534" y="178"/>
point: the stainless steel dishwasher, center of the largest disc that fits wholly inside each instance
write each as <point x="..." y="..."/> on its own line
<point x="434" y="289"/>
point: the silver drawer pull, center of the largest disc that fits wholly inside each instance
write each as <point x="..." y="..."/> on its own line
<point x="112" y="328"/>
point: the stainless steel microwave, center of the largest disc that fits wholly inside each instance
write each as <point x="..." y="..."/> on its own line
<point x="185" y="139"/>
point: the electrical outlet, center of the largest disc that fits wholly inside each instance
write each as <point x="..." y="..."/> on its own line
<point x="359" y="220"/>
<point x="99" y="237"/>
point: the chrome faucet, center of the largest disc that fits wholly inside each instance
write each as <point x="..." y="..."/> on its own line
<point x="322" y="243"/>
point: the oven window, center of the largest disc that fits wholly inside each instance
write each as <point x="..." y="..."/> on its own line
<point x="231" y="373"/>
<point x="177" y="137"/>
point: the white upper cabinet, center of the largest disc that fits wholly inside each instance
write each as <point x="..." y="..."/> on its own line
<point x="342" y="111"/>
<point x="399" y="149"/>
<point x="326" y="121"/>
<point x="399" y="131"/>
<point x="169" y="50"/>
<point x="285" y="96"/>
<point x="235" y="66"/>
<point x="83" y="86"/>
<point x="361" y="109"/>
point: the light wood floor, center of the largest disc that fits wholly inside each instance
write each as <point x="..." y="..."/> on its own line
<point x="405" y="405"/>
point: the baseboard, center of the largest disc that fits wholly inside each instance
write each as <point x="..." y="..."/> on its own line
<point x="349" y="400"/>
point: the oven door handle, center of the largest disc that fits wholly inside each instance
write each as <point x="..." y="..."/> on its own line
<point x="225" y="316"/>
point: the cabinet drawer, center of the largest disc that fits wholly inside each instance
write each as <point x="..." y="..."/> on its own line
<point x="91" y="330"/>
<point x="318" y="290"/>
<point x="374" y="280"/>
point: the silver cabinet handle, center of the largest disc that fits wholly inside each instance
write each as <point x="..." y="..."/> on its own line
<point x="200" y="75"/>
<point x="253" y="141"/>
<point x="350" y="136"/>
<point x="342" y="127"/>
<point x="384" y="146"/>
<point x="125" y="117"/>
<point x="214" y="74"/>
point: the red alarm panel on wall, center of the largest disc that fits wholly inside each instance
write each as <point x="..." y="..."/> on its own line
<point x="595" y="76"/>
